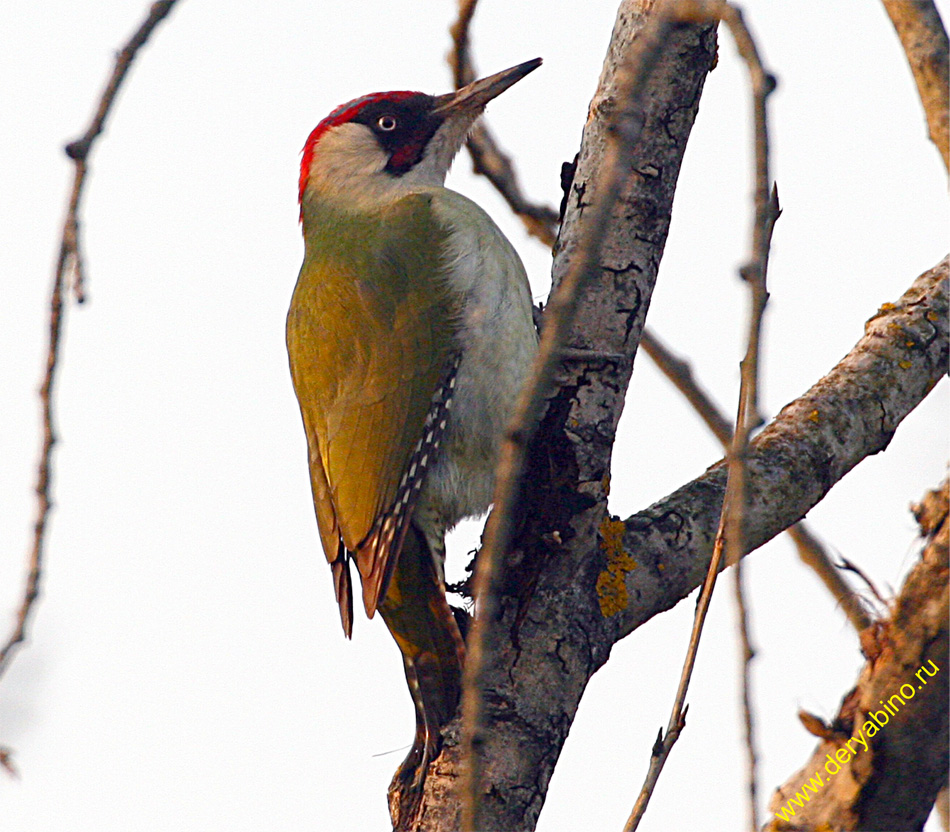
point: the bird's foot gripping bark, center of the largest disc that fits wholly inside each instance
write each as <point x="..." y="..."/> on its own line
<point x="421" y="622"/>
<point x="405" y="789"/>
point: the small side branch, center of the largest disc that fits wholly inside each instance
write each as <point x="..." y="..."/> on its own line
<point x="78" y="150"/>
<point x="813" y="554"/>
<point x="679" y="372"/>
<point x="68" y="262"/>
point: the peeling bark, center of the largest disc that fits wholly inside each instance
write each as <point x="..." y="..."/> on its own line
<point x="895" y="719"/>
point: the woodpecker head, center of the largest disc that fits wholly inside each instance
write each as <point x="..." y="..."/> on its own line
<point x="381" y="146"/>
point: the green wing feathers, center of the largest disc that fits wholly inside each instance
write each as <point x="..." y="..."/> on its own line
<point x="369" y="333"/>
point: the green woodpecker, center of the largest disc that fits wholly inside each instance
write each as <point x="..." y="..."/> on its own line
<point x="409" y="334"/>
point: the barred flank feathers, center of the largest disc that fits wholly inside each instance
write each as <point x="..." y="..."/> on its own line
<point x="378" y="555"/>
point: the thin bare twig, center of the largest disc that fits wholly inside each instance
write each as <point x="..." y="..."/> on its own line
<point x="488" y="159"/>
<point x="626" y="125"/>
<point x="925" y="44"/>
<point x="68" y="261"/>
<point x="746" y="654"/>
<point x="810" y="549"/>
<point x="812" y="553"/>
<point x="678" y="371"/>
<point x="848" y="566"/>
<point x="463" y="70"/>
<point x="729" y="537"/>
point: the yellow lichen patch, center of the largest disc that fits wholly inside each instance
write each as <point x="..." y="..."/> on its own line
<point x="887" y="307"/>
<point x="611" y="586"/>
<point x="933" y="316"/>
<point x="813" y="416"/>
<point x="605" y="483"/>
<point x="905" y="365"/>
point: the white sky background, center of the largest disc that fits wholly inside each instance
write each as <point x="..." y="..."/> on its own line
<point x="186" y="668"/>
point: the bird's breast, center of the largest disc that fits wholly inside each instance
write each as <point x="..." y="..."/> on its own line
<point x="497" y="340"/>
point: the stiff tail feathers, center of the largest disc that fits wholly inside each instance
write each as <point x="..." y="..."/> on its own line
<point x="343" y="589"/>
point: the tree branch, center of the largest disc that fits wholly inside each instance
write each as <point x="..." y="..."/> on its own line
<point x="679" y="372"/>
<point x="883" y="759"/>
<point x="813" y="554"/>
<point x="810" y="549"/>
<point x="623" y="132"/>
<point x="488" y="159"/>
<point x="519" y="752"/>
<point x="924" y="39"/>
<point x="68" y="260"/>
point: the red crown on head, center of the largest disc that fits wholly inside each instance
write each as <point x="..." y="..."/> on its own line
<point x="341" y="115"/>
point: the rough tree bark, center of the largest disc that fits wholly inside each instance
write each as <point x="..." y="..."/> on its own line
<point x="576" y="579"/>
<point x="569" y="473"/>
<point x="896" y="715"/>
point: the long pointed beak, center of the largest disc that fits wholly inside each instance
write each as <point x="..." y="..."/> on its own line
<point x="473" y="97"/>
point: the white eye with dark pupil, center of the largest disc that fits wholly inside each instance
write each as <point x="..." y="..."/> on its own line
<point x="386" y="123"/>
